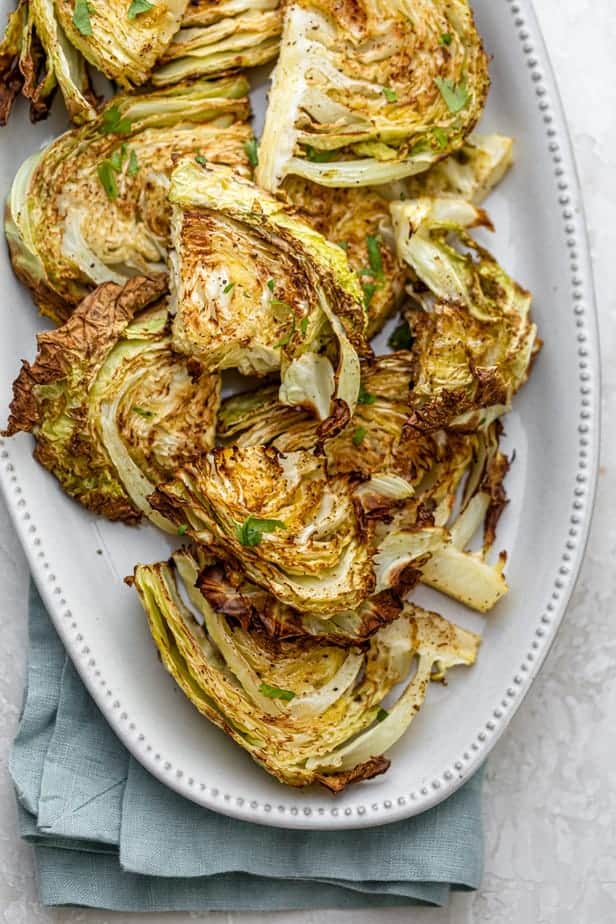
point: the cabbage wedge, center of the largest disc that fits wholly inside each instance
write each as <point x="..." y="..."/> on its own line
<point x="370" y="92"/>
<point x="112" y="409"/>
<point x="92" y="206"/>
<point x="474" y="339"/>
<point x="307" y="712"/>
<point x="218" y="36"/>
<point x="120" y="38"/>
<point x="37" y="58"/>
<point x="256" y="289"/>
<point x="375" y="442"/>
<point x="470" y="173"/>
<point x="296" y="531"/>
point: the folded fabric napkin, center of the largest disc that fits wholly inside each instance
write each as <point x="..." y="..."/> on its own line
<point x="108" y="835"/>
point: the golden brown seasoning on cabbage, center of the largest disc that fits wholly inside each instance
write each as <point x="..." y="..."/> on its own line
<point x="296" y="531"/>
<point x="218" y="36"/>
<point x="474" y="339"/>
<point x="370" y="92"/>
<point x="92" y="206"/>
<point x="257" y="289"/>
<point x="112" y="409"/>
<point x="307" y="711"/>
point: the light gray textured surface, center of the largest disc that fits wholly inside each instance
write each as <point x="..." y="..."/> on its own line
<point x="550" y="798"/>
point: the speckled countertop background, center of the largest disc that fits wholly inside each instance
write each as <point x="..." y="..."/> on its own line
<point x="550" y="796"/>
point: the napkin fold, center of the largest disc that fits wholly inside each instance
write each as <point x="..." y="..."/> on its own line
<point x="108" y="835"/>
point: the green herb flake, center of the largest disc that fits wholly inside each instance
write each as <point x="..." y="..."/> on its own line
<point x="228" y="287"/>
<point x="401" y="338"/>
<point x="138" y="7"/>
<point x="284" y="341"/>
<point x="113" y="123"/>
<point x="390" y="95"/>
<point x="365" y="397"/>
<point x="369" y="290"/>
<point x="251" y="531"/>
<point x="183" y="529"/>
<point x="117" y="158"/>
<point x="343" y="244"/>
<point x="143" y="412"/>
<point x="318" y="157"/>
<point x="440" y="136"/>
<point x="446" y="38"/>
<point x="276" y="692"/>
<point x="456" y="96"/>
<point x="381" y="715"/>
<point x="252" y="153"/>
<point x="359" y="436"/>
<point x="81" y="17"/>
<point x="201" y="160"/>
<point x="271" y="284"/>
<point x="374" y="255"/>
<point x="106" y="174"/>
<point x="133" y="163"/>
<point x="304" y="326"/>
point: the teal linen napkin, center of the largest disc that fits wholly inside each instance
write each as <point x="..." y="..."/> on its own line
<point x="109" y="835"/>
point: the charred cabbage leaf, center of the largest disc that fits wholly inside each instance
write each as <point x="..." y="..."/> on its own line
<point x="218" y="36"/>
<point x="37" y="58"/>
<point x="377" y="440"/>
<point x="92" y="206"/>
<point x="228" y="591"/>
<point x="459" y="493"/>
<point x="305" y="711"/>
<point x="257" y="289"/>
<point x="113" y="410"/>
<point x="474" y="341"/>
<point x="368" y="92"/>
<point x="296" y="531"/>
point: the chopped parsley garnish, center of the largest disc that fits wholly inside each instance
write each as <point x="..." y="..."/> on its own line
<point x="446" y="38"/>
<point x="287" y="337"/>
<point x="106" y="174"/>
<point x="276" y="692"/>
<point x="250" y="147"/>
<point x="81" y="17"/>
<point x="319" y="157"/>
<point x="133" y="163"/>
<point x="143" y="412"/>
<point x="201" y="160"/>
<point x="374" y="255"/>
<point x="440" y="136"/>
<point x="455" y="96"/>
<point x="138" y="7"/>
<point x="304" y="326"/>
<point x="365" y="397"/>
<point x="369" y="290"/>
<point x="117" y="158"/>
<point x="271" y="284"/>
<point x="228" y="287"/>
<point x="359" y="436"/>
<point x="343" y="244"/>
<point x="390" y="95"/>
<point x="183" y="529"/>
<point x="381" y="714"/>
<point x="114" y="124"/>
<point x="251" y="531"/>
<point x="401" y="338"/>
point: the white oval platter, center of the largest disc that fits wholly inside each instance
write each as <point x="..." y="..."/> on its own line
<point x="78" y="561"/>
